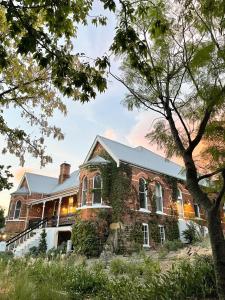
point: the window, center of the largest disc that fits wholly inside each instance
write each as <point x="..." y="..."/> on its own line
<point x="97" y="190"/>
<point x="180" y="206"/>
<point x="142" y="193"/>
<point x="71" y="206"/>
<point x="159" y="197"/>
<point x="197" y="210"/>
<point x="162" y="234"/>
<point x="145" y="234"/>
<point x="17" y="210"/>
<point x="84" y="191"/>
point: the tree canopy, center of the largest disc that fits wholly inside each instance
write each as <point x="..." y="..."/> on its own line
<point x="39" y="65"/>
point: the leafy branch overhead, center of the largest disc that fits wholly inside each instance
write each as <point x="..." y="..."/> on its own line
<point x="39" y="65"/>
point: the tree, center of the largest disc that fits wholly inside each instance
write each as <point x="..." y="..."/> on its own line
<point x="2" y="218"/>
<point x="173" y="64"/>
<point x="42" y="248"/>
<point x="38" y="66"/>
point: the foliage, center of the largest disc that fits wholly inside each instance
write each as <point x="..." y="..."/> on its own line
<point x="38" y="65"/>
<point x="173" y="245"/>
<point x="2" y="218"/>
<point x="172" y="181"/>
<point x="171" y="229"/>
<point x="191" y="234"/>
<point x="5" y="175"/>
<point x="42" y="247"/>
<point x="38" y="279"/>
<point x="116" y="185"/>
<point x="136" y="236"/>
<point x="33" y="251"/>
<point x="88" y="237"/>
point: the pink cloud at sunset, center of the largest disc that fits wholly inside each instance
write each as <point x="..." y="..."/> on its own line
<point x="110" y="134"/>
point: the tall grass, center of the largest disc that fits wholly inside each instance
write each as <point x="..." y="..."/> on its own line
<point x="69" y="279"/>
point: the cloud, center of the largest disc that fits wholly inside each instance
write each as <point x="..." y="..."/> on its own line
<point x="110" y="134"/>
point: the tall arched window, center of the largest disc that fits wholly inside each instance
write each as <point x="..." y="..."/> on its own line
<point x="142" y="193"/>
<point x="180" y="204"/>
<point x="159" y="197"/>
<point x="17" y="210"/>
<point x="97" y="190"/>
<point x="84" y="191"/>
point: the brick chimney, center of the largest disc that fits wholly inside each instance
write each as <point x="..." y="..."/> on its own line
<point x="64" y="172"/>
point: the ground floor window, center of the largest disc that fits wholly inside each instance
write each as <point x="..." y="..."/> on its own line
<point x="197" y="210"/>
<point x="162" y="234"/>
<point x="145" y="234"/>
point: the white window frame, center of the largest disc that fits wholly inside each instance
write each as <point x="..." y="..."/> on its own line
<point x="198" y="209"/>
<point x="161" y="197"/>
<point x="93" y="182"/>
<point x="162" y="234"/>
<point x="84" y="191"/>
<point x="16" y="209"/>
<point x="145" y="194"/>
<point x="145" y="226"/>
<point x="180" y="200"/>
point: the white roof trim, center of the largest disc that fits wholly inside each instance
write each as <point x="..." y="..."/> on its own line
<point x="27" y="183"/>
<point x="21" y="181"/>
<point x="98" y="140"/>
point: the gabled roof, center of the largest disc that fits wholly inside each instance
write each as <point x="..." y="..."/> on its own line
<point x="23" y="190"/>
<point x="97" y="160"/>
<point x="42" y="184"/>
<point x="138" y="156"/>
<point x="71" y="182"/>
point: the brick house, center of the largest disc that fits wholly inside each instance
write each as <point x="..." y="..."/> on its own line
<point x="54" y="202"/>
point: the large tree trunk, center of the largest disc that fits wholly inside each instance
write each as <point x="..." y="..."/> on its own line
<point x="218" y="249"/>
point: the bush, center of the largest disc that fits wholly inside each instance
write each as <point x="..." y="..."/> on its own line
<point x="173" y="245"/>
<point x="191" y="234"/>
<point x="88" y="237"/>
<point x="42" y="248"/>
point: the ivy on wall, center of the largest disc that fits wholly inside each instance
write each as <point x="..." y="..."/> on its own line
<point x="117" y="185"/>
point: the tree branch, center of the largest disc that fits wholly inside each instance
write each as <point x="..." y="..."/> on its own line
<point x="221" y="193"/>
<point x="211" y="174"/>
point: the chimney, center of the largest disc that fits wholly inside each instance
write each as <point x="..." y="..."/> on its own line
<point x="64" y="172"/>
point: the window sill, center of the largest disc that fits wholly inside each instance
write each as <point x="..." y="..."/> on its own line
<point x="146" y="246"/>
<point x="93" y="206"/>
<point x="160" y="213"/>
<point x="144" y="210"/>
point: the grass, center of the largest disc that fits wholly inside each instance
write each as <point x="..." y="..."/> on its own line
<point x="72" y="278"/>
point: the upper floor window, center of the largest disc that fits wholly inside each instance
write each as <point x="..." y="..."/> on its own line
<point x="84" y="191"/>
<point x="97" y="190"/>
<point x="159" y="197"/>
<point x="180" y="204"/>
<point x="197" y="210"/>
<point x="17" y="209"/>
<point x="142" y="193"/>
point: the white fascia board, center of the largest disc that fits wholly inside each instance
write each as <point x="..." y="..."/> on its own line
<point x="25" y="175"/>
<point x="98" y="140"/>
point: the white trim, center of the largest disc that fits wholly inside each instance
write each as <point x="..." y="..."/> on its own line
<point x="147" y="226"/>
<point x="161" y="197"/>
<point x="15" y="210"/>
<point x="181" y="201"/>
<point x="93" y="188"/>
<point x="145" y="193"/>
<point x="52" y="198"/>
<point x="98" y="140"/>
<point x="163" y="236"/>
<point x="82" y="190"/>
<point x="16" y="220"/>
<point x="94" y="206"/>
<point x="144" y="210"/>
<point x="161" y="213"/>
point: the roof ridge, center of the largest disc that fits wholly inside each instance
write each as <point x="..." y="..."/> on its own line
<point x="40" y="175"/>
<point x="135" y="148"/>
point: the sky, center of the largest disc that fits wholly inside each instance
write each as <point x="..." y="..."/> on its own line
<point x="104" y="116"/>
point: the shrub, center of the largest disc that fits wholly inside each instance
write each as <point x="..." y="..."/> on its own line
<point x="42" y="248"/>
<point x="173" y="245"/>
<point x="191" y="234"/>
<point x="33" y="251"/>
<point x="88" y="237"/>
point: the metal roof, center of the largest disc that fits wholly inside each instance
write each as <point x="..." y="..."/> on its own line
<point x="140" y="157"/>
<point x="71" y="182"/>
